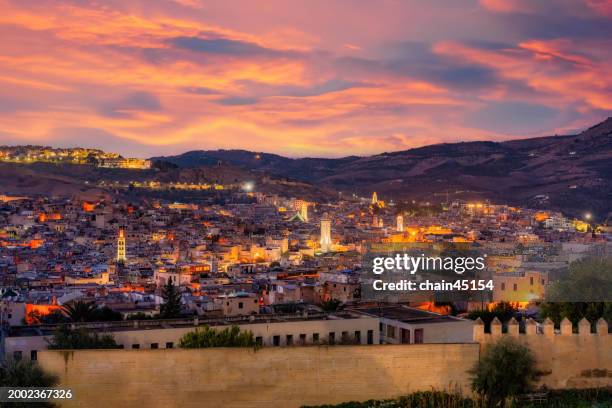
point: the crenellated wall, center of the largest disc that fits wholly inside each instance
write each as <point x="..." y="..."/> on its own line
<point x="294" y="376"/>
<point x="566" y="359"/>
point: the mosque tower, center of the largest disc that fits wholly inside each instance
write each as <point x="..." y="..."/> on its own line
<point x="121" y="256"/>
<point x="326" y="242"/>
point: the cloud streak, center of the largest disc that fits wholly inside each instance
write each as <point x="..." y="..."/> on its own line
<point x="147" y="78"/>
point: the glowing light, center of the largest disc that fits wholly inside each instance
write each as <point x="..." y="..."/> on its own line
<point x="248" y="186"/>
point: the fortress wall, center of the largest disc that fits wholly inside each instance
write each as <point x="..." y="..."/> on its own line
<point x="295" y="376"/>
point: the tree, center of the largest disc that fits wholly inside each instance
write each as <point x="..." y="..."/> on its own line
<point x="74" y="339"/>
<point x="24" y="374"/>
<point x="587" y="280"/>
<point x="18" y="374"/>
<point x="207" y="337"/>
<point x="80" y="311"/>
<point x="330" y="305"/>
<point x="582" y="292"/>
<point x="505" y="369"/>
<point x="106" y="314"/>
<point x="171" y="307"/>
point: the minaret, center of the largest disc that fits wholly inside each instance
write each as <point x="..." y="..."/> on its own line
<point x="326" y="242"/>
<point x="121" y="247"/>
<point x="374" y="198"/>
<point x="400" y="223"/>
<point x="304" y="211"/>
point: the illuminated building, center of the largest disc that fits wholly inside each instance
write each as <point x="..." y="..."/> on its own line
<point x="326" y="242"/>
<point x="400" y="223"/>
<point x="304" y="211"/>
<point x="121" y="257"/>
<point x="374" y="198"/>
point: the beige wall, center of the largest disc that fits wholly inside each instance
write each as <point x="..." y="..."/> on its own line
<point x="565" y="358"/>
<point x="294" y="376"/>
<point x="270" y="377"/>
<point x="144" y="337"/>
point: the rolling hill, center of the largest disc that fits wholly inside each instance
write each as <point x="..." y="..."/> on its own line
<point x="572" y="173"/>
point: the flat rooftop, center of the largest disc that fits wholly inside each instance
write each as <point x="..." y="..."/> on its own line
<point x="405" y="314"/>
<point x="127" y="325"/>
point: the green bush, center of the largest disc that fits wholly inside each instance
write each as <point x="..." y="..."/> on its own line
<point x="207" y="337"/>
<point x="505" y="369"/>
<point x="421" y="399"/>
<point x="588" y="398"/>
<point x="75" y="339"/>
<point x="25" y="374"/>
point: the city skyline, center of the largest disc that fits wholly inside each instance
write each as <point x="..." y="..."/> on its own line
<point x="299" y="79"/>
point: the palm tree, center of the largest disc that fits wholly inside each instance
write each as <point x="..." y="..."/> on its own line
<point x="80" y="311"/>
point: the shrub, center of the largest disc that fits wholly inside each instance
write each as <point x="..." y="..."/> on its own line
<point x="207" y="337"/>
<point x="69" y="339"/>
<point x="505" y="369"/>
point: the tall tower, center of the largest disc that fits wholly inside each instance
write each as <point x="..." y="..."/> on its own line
<point x="400" y="223"/>
<point x="374" y="198"/>
<point x="304" y="211"/>
<point x="121" y="257"/>
<point x="326" y="242"/>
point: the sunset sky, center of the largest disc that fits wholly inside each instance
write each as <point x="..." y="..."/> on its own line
<point x="300" y="78"/>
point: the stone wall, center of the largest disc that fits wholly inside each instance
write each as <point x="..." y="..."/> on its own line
<point x="270" y="377"/>
<point x="295" y="376"/>
<point x="566" y="357"/>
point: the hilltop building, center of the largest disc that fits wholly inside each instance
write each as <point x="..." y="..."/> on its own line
<point x="326" y="242"/>
<point x="400" y="223"/>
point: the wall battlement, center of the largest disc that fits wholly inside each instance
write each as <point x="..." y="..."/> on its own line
<point x="312" y="375"/>
<point x="566" y="359"/>
<point x="532" y="328"/>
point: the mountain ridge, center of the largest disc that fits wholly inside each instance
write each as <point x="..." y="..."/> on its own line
<point x="566" y="172"/>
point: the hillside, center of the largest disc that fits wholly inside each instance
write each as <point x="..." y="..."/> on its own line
<point x="72" y="180"/>
<point x="570" y="173"/>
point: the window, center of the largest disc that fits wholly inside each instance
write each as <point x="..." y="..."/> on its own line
<point x="154" y="345"/>
<point x="381" y="327"/>
<point x="418" y="336"/>
<point x="370" y="336"/>
<point x="531" y="280"/>
<point x="332" y="337"/>
<point x="135" y="346"/>
<point x="542" y="281"/>
<point x="240" y="305"/>
<point x="259" y="341"/>
<point x="276" y="341"/>
<point x="405" y="336"/>
<point x="33" y="355"/>
<point x="17" y="355"/>
<point x="390" y="331"/>
<point x="315" y="337"/>
<point x="503" y="286"/>
<point x="255" y="301"/>
<point x="345" y="337"/>
<point x="357" y="336"/>
<point x="303" y="338"/>
<point x="515" y="287"/>
<point x="169" y="345"/>
<point x="290" y="339"/>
